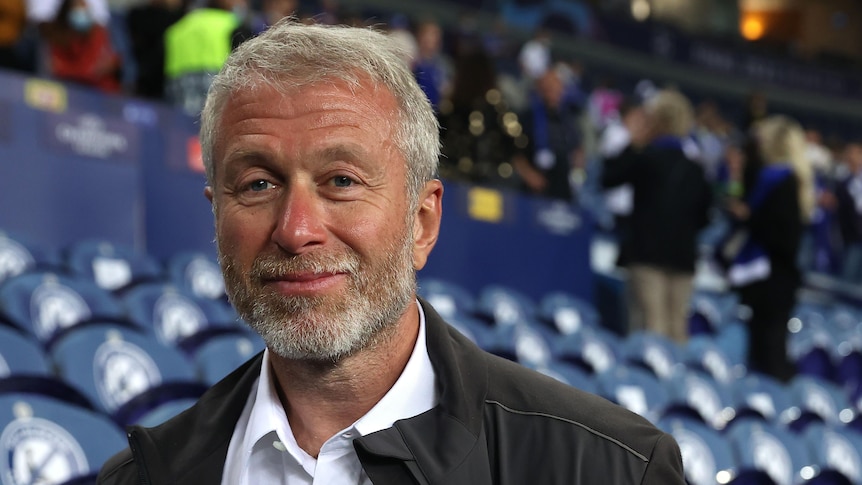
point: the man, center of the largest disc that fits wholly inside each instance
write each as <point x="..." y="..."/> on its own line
<point x="321" y="153"/>
<point x="671" y="206"/>
<point x="553" y="150"/>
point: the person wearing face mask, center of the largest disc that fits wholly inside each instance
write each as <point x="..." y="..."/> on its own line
<point x="80" y="49"/>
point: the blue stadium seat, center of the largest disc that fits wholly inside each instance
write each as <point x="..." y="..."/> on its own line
<point x="810" y="346"/>
<point x="652" y="351"/>
<point x="113" y="365"/>
<point x="20" y="355"/>
<point x="505" y="306"/>
<point x="636" y="389"/>
<point x="757" y="394"/>
<point x="826" y="400"/>
<point x="111" y="266"/>
<point x="710" y="399"/>
<point x="222" y="354"/>
<point x="448" y="298"/>
<point x="164" y="412"/>
<point x="477" y="331"/>
<point x="45" y="304"/>
<point x="567" y="313"/>
<point x="524" y="343"/>
<point x="593" y="349"/>
<point x="46" y="441"/>
<point x="706" y="455"/>
<point x="769" y="449"/>
<point x="710" y="311"/>
<point x="732" y="339"/>
<point x="703" y="352"/>
<point x="197" y="273"/>
<point x="174" y="314"/>
<point x="836" y="448"/>
<point x="18" y="255"/>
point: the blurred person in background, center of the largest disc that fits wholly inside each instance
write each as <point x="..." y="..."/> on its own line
<point x="196" y="47"/>
<point x="399" y="29"/>
<point x="777" y="205"/>
<point x="147" y="24"/>
<point x="534" y="57"/>
<point x="848" y="194"/>
<point x="671" y="204"/>
<point x="80" y="49"/>
<point x="620" y="200"/>
<point x="432" y="67"/>
<point x="13" y="21"/>
<point x="552" y="148"/>
<point x="256" y="22"/>
<point x="478" y="129"/>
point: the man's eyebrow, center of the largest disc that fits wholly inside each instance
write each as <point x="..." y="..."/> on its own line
<point x="351" y="153"/>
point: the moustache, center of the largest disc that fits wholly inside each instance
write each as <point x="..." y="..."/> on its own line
<point x="274" y="267"/>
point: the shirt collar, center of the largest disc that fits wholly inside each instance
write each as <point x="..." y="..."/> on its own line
<point x="413" y="393"/>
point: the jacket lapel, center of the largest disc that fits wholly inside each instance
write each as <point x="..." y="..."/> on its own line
<point x="440" y="445"/>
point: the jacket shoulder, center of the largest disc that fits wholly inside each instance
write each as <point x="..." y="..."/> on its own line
<point x="527" y="396"/>
<point x="119" y="469"/>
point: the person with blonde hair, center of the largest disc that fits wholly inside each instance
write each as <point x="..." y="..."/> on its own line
<point x="671" y="205"/>
<point x="778" y="203"/>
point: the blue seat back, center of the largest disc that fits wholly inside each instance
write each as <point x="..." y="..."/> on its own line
<point x="706" y="455"/>
<point x="651" y="351"/>
<point x="20" y="355"/>
<point x="768" y="448"/>
<point x="111" y="266"/>
<point x="222" y="354"/>
<point x="48" y="441"/>
<point x="505" y="306"/>
<point x="836" y="448"/>
<point x="567" y="313"/>
<point x="112" y="364"/>
<point x="197" y="273"/>
<point x="45" y="304"/>
<point x="173" y="314"/>
<point x="448" y="299"/>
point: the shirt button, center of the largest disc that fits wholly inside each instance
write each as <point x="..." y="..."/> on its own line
<point x="278" y="445"/>
<point x="347" y="435"/>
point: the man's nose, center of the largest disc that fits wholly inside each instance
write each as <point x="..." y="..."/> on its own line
<point x="301" y="225"/>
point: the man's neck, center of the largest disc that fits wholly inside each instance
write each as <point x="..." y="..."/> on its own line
<point x="321" y="399"/>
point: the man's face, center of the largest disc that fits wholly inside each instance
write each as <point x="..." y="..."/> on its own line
<point x="312" y="219"/>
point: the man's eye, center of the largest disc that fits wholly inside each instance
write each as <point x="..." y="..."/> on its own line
<point x="342" y="181"/>
<point x="259" y="185"/>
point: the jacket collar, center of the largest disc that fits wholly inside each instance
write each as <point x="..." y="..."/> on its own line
<point x="439" y="441"/>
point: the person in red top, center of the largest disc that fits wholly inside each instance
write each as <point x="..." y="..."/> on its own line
<point x="80" y="50"/>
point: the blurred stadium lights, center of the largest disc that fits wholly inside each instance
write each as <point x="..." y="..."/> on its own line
<point x="752" y="26"/>
<point x="641" y="10"/>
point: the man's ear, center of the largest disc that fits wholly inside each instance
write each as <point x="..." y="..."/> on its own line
<point x="208" y="193"/>
<point x="426" y="225"/>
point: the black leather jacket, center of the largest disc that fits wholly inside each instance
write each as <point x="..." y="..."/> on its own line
<point x="496" y="423"/>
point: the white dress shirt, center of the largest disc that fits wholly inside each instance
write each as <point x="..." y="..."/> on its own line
<point x="264" y="450"/>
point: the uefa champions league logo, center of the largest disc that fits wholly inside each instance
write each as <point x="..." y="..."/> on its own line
<point x="36" y="450"/>
<point x="14" y="258"/>
<point x="122" y="371"/>
<point x="175" y="318"/>
<point x="54" y="307"/>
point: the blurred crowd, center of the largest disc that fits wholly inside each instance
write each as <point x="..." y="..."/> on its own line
<point x="654" y="166"/>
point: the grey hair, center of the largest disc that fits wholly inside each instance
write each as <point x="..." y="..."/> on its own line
<point x="290" y="55"/>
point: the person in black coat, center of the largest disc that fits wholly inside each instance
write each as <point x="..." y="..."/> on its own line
<point x="778" y="203"/>
<point x="671" y="205"/>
